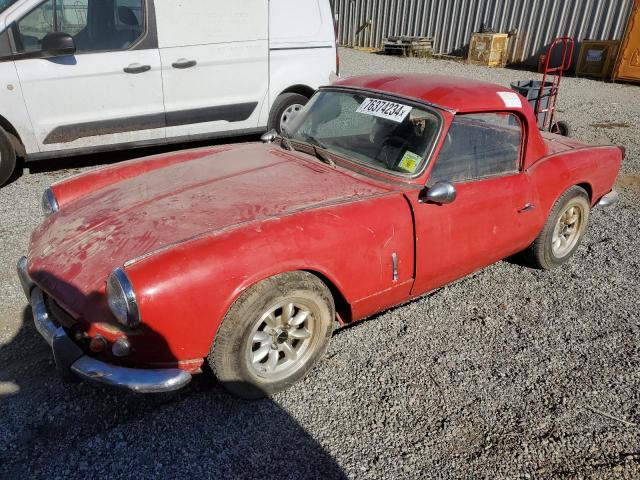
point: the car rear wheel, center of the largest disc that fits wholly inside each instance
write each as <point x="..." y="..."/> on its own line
<point x="562" y="128"/>
<point x="273" y="334"/>
<point x="7" y="157"/>
<point x="285" y="109"/>
<point x="563" y="232"/>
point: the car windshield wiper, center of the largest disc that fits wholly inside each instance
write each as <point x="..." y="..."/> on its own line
<point x="313" y="140"/>
<point x="284" y="140"/>
<point x="323" y="155"/>
<point x="319" y="149"/>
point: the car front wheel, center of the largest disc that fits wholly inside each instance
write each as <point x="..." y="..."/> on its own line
<point x="563" y="232"/>
<point x="7" y="157"/>
<point x="273" y="334"/>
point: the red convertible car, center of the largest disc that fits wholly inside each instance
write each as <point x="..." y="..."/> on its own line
<point x="241" y="257"/>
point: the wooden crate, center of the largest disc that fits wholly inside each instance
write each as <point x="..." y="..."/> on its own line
<point x="597" y="58"/>
<point x="488" y="49"/>
<point x="628" y="65"/>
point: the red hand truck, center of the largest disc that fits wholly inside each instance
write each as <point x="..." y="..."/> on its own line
<point x="546" y="111"/>
<point x="543" y="95"/>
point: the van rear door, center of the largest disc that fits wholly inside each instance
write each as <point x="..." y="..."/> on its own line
<point x="302" y="45"/>
<point x="215" y="68"/>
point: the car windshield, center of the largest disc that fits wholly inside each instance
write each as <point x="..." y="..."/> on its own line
<point x="383" y="133"/>
<point x="4" y="4"/>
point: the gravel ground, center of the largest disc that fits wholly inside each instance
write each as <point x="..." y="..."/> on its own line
<point x="509" y="373"/>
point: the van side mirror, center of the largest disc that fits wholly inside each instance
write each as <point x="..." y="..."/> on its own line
<point x="58" y="44"/>
<point x="440" y="193"/>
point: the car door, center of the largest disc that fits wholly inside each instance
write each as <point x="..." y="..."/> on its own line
<point x="481" y="158"/>
<point x="215" y="66"/>
<point x="109" y="91"/>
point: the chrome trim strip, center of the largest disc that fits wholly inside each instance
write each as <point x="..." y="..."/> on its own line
<point x="394" y="260"/>
<point x="452" y="111"/>
<point x="49" y="203"/>
<point x="25" y="280"/>
<point x="44" y="325"/>
<point x="133" y="313"/>
<point x="609" y="199"/>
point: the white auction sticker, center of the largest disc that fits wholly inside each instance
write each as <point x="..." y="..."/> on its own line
<point x="510" y="99"/>
<point x="384" y="109"/>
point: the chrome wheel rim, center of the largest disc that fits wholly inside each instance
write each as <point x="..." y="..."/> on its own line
<point x="567" y="231"/>
<point x="288" y="115"/>
<point x="281" y="340"/>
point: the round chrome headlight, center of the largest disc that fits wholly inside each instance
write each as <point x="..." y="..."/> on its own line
<point x="49" y="203"/>
<point x="122" y="299"/>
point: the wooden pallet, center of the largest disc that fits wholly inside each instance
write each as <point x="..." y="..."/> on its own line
<point x="408" y="46"/>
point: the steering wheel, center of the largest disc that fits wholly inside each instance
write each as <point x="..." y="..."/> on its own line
<point x="392" y="144"/>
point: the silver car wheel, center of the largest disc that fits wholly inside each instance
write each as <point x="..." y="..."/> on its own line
<point x="288" y="115"/>
<point x="567" y="230"/>
<point x="281" y="339"/>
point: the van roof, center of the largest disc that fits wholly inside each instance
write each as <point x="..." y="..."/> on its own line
<point x="456" y="94"/>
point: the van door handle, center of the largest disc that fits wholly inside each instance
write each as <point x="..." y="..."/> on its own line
<point x="184" y="63"/>
<point x="137" y="68"/>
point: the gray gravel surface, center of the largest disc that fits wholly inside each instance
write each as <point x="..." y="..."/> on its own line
<point x="509" y="373"/>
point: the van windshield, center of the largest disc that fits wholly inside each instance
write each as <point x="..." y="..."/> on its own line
<point x="382" y="133"/>
<point x="4" y="4"/>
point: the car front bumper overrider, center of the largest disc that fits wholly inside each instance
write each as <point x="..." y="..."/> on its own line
<point x="72" y="361"/>
<point x="609" y="199"/>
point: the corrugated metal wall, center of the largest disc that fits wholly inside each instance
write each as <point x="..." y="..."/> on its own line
<point x="364" y="23"/>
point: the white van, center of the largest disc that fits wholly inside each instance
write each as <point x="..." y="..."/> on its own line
<point x="79" y="76"/>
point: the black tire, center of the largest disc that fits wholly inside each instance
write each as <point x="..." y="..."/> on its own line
<point x="235" y="351"/>
<point x="280" y="106"/>
<point x="7" y="157"/>
<point x="542" y="253"/>
<point x="562" y="128"/>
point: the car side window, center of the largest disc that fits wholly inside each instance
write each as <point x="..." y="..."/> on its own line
<point x="34" y="26"/>
<point x="95" y="25"/>
<point x="478" y="146"/>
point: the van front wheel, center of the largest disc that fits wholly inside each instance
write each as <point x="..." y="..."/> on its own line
<point x="7" y="157"/>
<point x="284" y="110"/>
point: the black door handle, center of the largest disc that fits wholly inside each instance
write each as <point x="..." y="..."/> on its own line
<point x="137" y="68"/>
<point x="184" y="63"/>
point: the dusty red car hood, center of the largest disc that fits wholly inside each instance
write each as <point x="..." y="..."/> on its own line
<point x="75" y="249"/>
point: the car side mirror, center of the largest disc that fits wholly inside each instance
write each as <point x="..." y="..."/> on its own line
<point x="269" y="136"/>
<point x="440" y="193"/>
<point x="58" y="44"/>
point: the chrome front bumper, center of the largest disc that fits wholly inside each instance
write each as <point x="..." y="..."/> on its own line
<point x="71" y="360"/>
<point x="609" y="199"/>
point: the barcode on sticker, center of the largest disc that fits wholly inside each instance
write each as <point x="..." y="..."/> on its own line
<point x="384" y="109"/>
